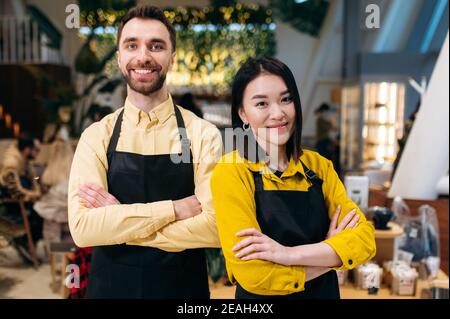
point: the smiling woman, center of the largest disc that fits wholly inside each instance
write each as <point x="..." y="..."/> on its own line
<point x="279" y="218"/>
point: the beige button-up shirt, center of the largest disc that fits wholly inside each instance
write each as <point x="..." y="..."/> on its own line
<point x="144" y="224"/>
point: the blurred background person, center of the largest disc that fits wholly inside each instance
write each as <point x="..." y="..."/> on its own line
<point x="19" y="180"/>
<point x="52" y="207"/>
<point x="324" y="144"/>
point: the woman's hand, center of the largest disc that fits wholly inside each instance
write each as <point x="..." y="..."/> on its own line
<point x="349" y="221"/>
<point x="260" y="246"/>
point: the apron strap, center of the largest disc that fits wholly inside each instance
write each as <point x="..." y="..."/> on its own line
<point x="185" y="142"/>
<point x="115" y="136"/>
<point x="311" y="175"/>
<point x="259" y="186"/>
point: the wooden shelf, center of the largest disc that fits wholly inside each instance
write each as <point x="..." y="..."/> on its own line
<point x="349" y="291"/>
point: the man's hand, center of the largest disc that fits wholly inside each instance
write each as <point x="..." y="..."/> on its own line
<point x="187" y="207"/>
<point x="349" y="221"/>
<point x="94" y="196"/>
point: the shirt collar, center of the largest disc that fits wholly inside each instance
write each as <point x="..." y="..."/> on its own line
<point x="160" y="113"/>
<point x="293" y="168"/>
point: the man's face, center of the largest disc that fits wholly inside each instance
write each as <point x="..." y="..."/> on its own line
<point x="145" y="54"/>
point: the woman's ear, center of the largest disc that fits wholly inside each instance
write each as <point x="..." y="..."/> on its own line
<point x="242" y="115"/>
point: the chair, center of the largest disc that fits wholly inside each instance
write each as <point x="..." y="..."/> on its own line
<point x="65" y="249"/>
<point x="17" y="230"/>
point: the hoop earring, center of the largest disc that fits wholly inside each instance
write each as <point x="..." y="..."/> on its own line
<point x="246" y="126"/>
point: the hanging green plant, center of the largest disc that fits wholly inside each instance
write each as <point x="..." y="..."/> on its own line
<point x="103" y="12"/>
<point x="305" y="16"/>
<point x="214" y="41"/>
<point x="86" y="61"/>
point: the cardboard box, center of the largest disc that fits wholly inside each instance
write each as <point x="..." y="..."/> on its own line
<point x="404" y="280"/>
<point x="342" y="277"/>
<point x="368" y="276"/>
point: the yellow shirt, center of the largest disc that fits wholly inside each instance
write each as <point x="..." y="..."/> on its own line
<point x="144" y="224"/>
<point x="233" y="190"/>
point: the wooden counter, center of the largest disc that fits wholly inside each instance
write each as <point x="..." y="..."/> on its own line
<point x="349" y="291"/>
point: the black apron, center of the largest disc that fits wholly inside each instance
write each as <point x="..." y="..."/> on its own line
<point x="295" y="218"/>
<point x="125" y="271"/>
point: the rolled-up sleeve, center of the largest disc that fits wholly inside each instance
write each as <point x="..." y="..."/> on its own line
<point x="354" y="246"/>
<point x="199" y="231"/>
<point x="110" y="225"/>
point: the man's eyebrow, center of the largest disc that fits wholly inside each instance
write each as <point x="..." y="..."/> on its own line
<point x="130" y="39"/>
<point x="157" y="40"/>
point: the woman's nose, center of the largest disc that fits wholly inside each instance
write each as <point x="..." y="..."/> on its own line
<point x="276" y="112"/>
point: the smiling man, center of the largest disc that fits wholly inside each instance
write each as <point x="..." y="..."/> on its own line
<point x="147" y="215"/>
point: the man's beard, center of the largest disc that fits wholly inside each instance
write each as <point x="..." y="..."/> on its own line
<point x="145" y="88"/>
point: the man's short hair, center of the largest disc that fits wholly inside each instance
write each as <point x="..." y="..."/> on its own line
<point x="148" y="12"/>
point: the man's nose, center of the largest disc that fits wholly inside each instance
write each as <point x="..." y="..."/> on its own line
<point x="144" y="55"/>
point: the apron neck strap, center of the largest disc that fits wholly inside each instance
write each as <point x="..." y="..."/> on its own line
<point x="259" y="187"/>
<point x="310" y="174"/>
<point x="185" y="142"/>
<point x="116" y="133"/>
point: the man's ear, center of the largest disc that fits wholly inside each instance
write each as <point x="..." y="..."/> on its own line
<point x="118" y="58"/>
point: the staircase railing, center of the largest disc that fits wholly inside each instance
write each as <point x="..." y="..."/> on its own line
<point x="22" y="42"/>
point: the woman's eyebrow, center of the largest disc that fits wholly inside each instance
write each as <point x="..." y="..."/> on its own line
<point x="258" y="97"/>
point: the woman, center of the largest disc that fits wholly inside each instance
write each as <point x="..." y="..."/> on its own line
<point x="279" y="218"/>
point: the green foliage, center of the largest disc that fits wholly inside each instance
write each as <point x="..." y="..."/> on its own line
<point x="213" y="42"/>
<point x="52" y="94"/>
<point x="103" y="12"/>
<point x="86" y="61"/>
<point x="306" y="17"/>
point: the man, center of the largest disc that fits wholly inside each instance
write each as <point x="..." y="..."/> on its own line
<point x="142" y="205"/>
<point x="18" y="178"/>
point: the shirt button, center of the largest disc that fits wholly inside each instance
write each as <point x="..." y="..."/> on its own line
<point x="296" y="285"/>
<point x="350" y="261"/>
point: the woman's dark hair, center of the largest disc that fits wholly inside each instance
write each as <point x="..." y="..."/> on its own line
<point x="148" y="12"/>
<point x="251" y="70"/>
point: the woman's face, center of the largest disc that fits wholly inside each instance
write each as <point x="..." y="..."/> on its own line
<point x="269" y="109"/>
